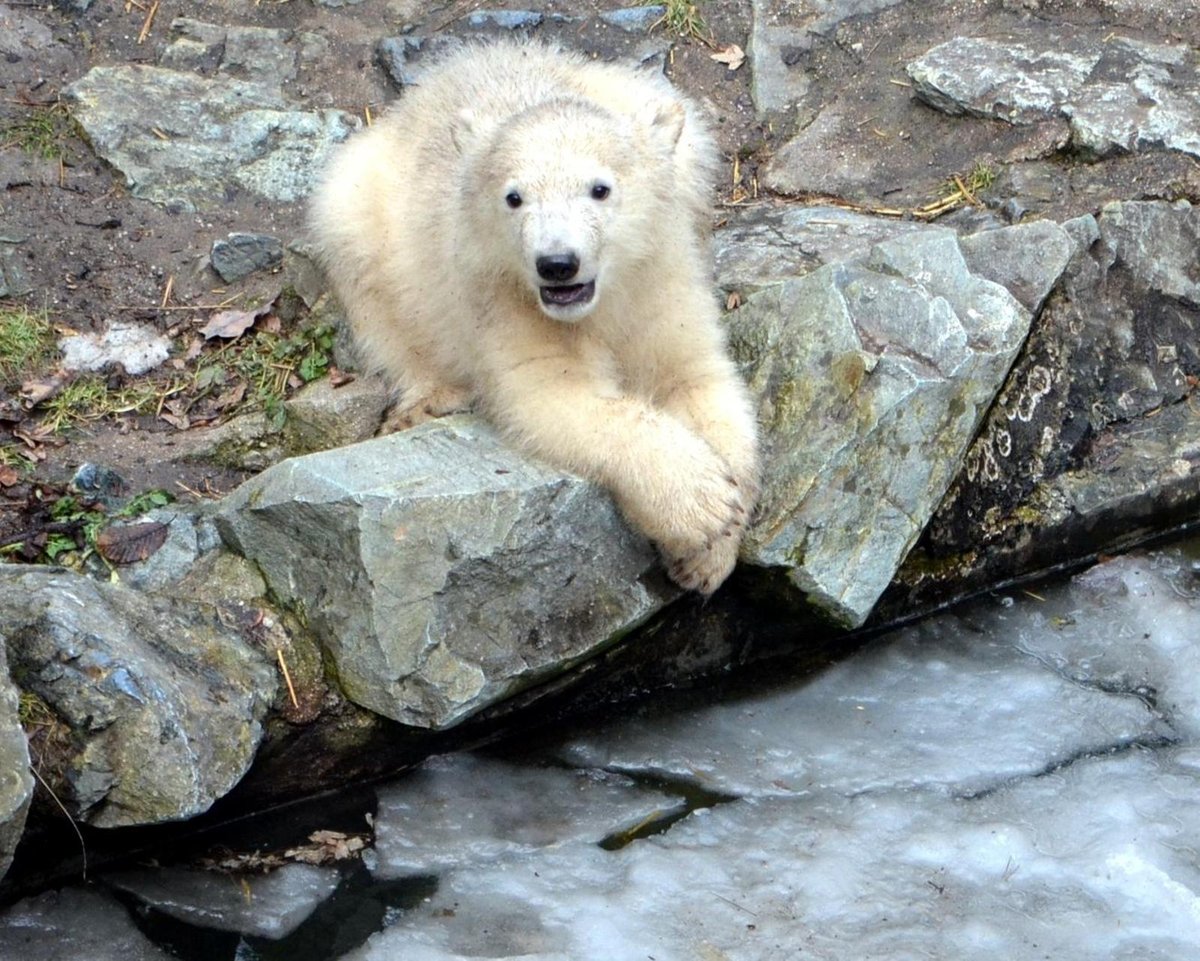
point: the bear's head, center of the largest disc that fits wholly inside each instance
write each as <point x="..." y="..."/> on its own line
<point x="567" y="197"/>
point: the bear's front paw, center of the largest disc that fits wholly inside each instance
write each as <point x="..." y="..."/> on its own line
<point x="705" y="570"/>
<point x="438" y="402"/>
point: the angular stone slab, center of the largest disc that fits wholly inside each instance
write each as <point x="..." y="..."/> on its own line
<point x="1094" y="438"/>
<point x="16" y="783"/>
<point x="872" y="377"/>
<point x="222" y="135"/>
<point x="1119" y="95"/>
<point x="441" y="570"/>
<point x="160" y="702"/>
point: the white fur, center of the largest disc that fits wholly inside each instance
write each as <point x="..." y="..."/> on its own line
<point x="438" y="273"/>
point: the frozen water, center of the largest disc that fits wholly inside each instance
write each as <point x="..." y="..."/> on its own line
<point x="270" y="905"/>
<point x="1099" y="861"/>
<point x="1020" y="780"/>
<point x="72" y="925"/>
<point x="424" y="826"/>
<point x="951" y="703"/>
<point x="1131" y="624"/>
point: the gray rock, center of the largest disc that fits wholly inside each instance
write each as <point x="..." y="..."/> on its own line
<point x="267" y="906"/>
<point x="1027" y="258"/>
<point x="1093" y="437"/>
<point x="189" y="537"/>
<point x="872" y="377"/>
<point x="256" y="54"/>
<point x="781" y="33"/>
<point x="201" y="138"/>
<point x="71" y="925"/>
<point x="16" y="783"/>
<point x="404" y="58"/>
<point x="20" y="34"/>
<point x="241" y="254"/>
<point x="634" y="19"/>
<point x="767" y="244"/>
<point x="523" y="20"/>
<point x="441" y="570"/>
<point x="14" y="281"/>
<point x="1118" y="94"/>
<point x="164" y="702"/>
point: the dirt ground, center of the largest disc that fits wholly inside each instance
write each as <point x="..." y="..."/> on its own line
<point x="92" y="254"/>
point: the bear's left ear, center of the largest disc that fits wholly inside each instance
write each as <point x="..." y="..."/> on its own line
<point x="665" y="120"/>
<point x="464" y="129"/>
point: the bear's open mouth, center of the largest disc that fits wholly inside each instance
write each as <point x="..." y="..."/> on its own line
<point x="566" y="295"/>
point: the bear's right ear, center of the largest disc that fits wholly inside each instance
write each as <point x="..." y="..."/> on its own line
<point x="665" y="120"/>
<point x="464" y="129"/>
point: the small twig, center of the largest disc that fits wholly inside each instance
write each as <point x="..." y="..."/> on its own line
<point x="287" y="677"/>
<point x="149" y="22"/>
<point x="71" y="820"/>
<point x="166" y="297"/>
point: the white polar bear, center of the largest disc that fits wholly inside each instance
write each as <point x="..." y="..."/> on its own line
<point x="528" y="230"/>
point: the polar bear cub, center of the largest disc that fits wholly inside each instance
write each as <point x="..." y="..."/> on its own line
<point x="527" y="230"/>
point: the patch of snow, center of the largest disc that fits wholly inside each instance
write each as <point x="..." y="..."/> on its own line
<point x="136" y="347"/>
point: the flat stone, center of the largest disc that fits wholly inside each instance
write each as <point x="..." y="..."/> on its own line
<point x="16" y="783"/>
<point x="270" y="905"/>
<point x="1119" y="94"/>
<point x="164" y="703"/>
<point x="767" y="244"/>
<point x="440" y="569"/>
<point x="202" y="139"/>
<point x="634" y="19"/>
<point x="242" y="254"/>
<point x="73" y="924"/>
<point x="872" y="377"/>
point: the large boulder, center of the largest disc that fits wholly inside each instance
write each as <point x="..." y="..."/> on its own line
<point x="157" y="704"/>
<point x="872" y="377"/>
<point x="16" y="783"/>
<point x="441" y="569"/>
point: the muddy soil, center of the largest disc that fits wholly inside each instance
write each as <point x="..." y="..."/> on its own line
<point x="91" y="254"/>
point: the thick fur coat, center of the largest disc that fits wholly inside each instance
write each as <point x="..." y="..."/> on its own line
<point x="527" y="231"/>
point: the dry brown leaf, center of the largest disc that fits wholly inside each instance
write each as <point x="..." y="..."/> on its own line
<point x="178" y="421"/>
<point x="39" y="389"/>
<point x="231" y="397"/>
<point x="231" y="324"/>
<point x="130" y="543"/>
<point x="8" y="476"/>
<point x="731" y="55"/>
<point x="339" y="377"/>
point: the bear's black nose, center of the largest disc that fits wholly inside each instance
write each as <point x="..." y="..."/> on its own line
<point x="558" y="267"/>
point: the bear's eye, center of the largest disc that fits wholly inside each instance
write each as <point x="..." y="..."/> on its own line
<point x="513" y="199"/>
<point x="600" y="191"/>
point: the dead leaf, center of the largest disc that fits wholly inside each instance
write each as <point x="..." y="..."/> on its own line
<point x="130" y="543"/>
<point x="231" y="397"/>
<point x="231" y="324"/>
<point x="731" y="55"/>
<point x="36" y="390"/>
<point x="195" y="345"/>
<point x="8" y="476"/>
<point x="338" y="377"/>
<point x="733" y="301"/>
<point x="327" y="846"/>
<point x="178" y="421"/>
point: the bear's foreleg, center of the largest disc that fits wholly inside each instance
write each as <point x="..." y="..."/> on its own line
<point x="667" y="480"/>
